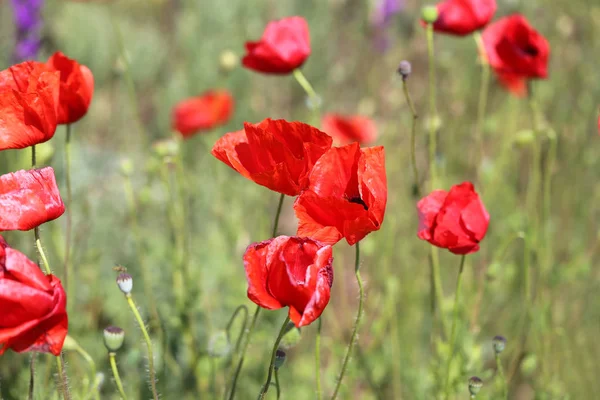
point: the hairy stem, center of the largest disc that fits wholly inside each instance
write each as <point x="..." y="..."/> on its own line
<point x="267" y="383"/>
<point x="115" y="371"/>
<point x="413" y="134"/>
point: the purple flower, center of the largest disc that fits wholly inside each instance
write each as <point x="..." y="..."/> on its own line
<point x="382" y="17"/>
<point x="28" y="22"/>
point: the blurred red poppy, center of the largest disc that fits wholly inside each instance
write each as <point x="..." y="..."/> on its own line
<point x="28" y="199"/>
<point x="283" y="47"/>
<point x="28" y="104"/>
<point x="290" y="271"/>
<point x="348" y="129"/>
<point x="346" y="196"/>
<point x="514" y="47"/>
<point x="274" y="153"/>
<point x="454" y="220"/>
<point x="513" y="83"/>
<point x="76" y="87"/>
<point x="33" y="313"/>
<point x="463" y="17"/>
<point x="204" y="112"/>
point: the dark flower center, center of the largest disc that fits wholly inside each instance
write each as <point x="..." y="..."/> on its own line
<point x="358" y="200"/>
<point x="531" y="50"/>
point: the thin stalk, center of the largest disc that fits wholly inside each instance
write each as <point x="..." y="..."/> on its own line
<point x="318" y="359"/>
<point x="502" y="377"/>
<point x="483" y="96"/>
<point x="438" y="289"/>
<point x="62" y="379"/>
<point x="413" y="135"/>
<point x="230" y="323"/>
<point x="31" y="375"/>
<point x="307" y="87"/>
<point x="92" y="365"/>
<point x="277" y="385"/>
<point x="40" y="249"/>
<point x="433" y="115"/>
<point x="213" y="378"/>
<point x="267" y="383"/>
<point x="356" y="323"/>
<point x="115" y="371"/>
<point x="69" y="285"/>
<point x="142" y="325"/>
<point x="454" y="323"/>
<point x="255" y="316"/>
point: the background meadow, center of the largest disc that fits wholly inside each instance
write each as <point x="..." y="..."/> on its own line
<point x="148" y="54"/>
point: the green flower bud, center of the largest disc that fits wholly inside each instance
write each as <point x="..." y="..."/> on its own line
<point x="228" y="60"/>
<point x="475" y="385"/>
<point x="499" y="344"/>
<point x="113" y="338"/>
<point x="218" y="344"/>
<point x="279" y="359"/>
<point x="291" y="338"/>
<point x="126" y="166"/>
<point x="429" y="14"/>
<point x="166" y="148"/>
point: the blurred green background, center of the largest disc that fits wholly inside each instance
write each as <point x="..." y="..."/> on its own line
<point x="174" y="49"/>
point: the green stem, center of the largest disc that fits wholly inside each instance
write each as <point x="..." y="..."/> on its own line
<point x="277" y="386"/>
<point x="438" y="289"/>
<point x="502" y="377"/>
<point x="69" y="285"/>
<point x="267" y="383"/>
<point x="142" y="325"/>
<point x="356" y="323"/>
<point x="483" y="96"/>
<point x="413" y="135"/>
<point x="318" y="358"/>
<point x="432" y="107"/>
<point x="40" y="250"/>
<point x="92" y="365"/>
<point x="33" y="157"/>
<point x="230" y="323"/>
<point x="62" y="377"/>
<point x="454" y="324"/>
<point x="31" y="375"/>
<point x="115" y="371"/>
<point x="314" y="97"/>
<point x="213" y="378"/>
<point x="256" y="312"/>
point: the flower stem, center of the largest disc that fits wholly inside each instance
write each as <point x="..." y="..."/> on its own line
<point x="356" y="323"/>
<point x="62" y="379"/>
<point x="454" y="323"/>
<point x="437" y="283"/>
<point x="140" y="322"/>
<point x="230" y="323"/>
<point x="483" y="95"/>
<point x="256" y="313"/>
<point x="413" y="134"/>
<point x="115" y="371"/>
<point x="277" y="386"/>
<point x="92" y="365"/>
<point x="432" y="107"/>
<point x="68" y="271"/>
<point x="502" y="377"/>
<point x="318" y="358"/>
<point x="31" y="375"/>
<point x="267" y="383"/>
<point x="40" y="249"/>
<point x="314" y="97"/>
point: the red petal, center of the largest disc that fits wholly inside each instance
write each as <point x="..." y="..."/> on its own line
<point x="213" y="108"/>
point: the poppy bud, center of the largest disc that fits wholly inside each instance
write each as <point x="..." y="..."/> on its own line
<point x="113" y="338"/>
<point x="125" y="282"/>
<point x="499" y="344"/>
<point x="126" y="166"/>
<point x="524" y="137"/>
<point x="228" y="61"/>
<point x="429" y="14"/>
<point x="291" y="338"/>
<point x="69" y="343"/>
<point x="218" y="344"/>
<point x="279" y="359"/>
<point x="529" y="365"/>
<point x="404" y="69"/>
<point x="166" y="148"/>
<point x="475" y="385"/>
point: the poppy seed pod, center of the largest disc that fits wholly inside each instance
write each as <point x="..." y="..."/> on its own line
<point x="475" y="385"/>
<point x="279" y="359"/>
<point x="429" y="14"/>
<point x="113" y="338"/>
<point x="499" y="344"/>
<point x="125" y="282"/>
<point x="404" y="69"/>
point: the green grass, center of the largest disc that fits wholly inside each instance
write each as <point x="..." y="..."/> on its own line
<point x="173" y="49"/>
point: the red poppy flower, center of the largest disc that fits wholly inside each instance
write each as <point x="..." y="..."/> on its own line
<point x="346" y="196"/>
<point x="28" y="105"/>
<point x="33" y="316"/>
<point x="290" y="271"/>
<point x="205" y="112"/>
<point x="348" y="129"/>
<point x="28" y="199"/>
<point x="283" y="47"/>
<point x="514" y="47"/>
<point x="274" y="153"/>
<point x="76" y="88"/>
<point x="454" y="220"/>
<point x="463" y="17"/>
<point x="513" y="83"/>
